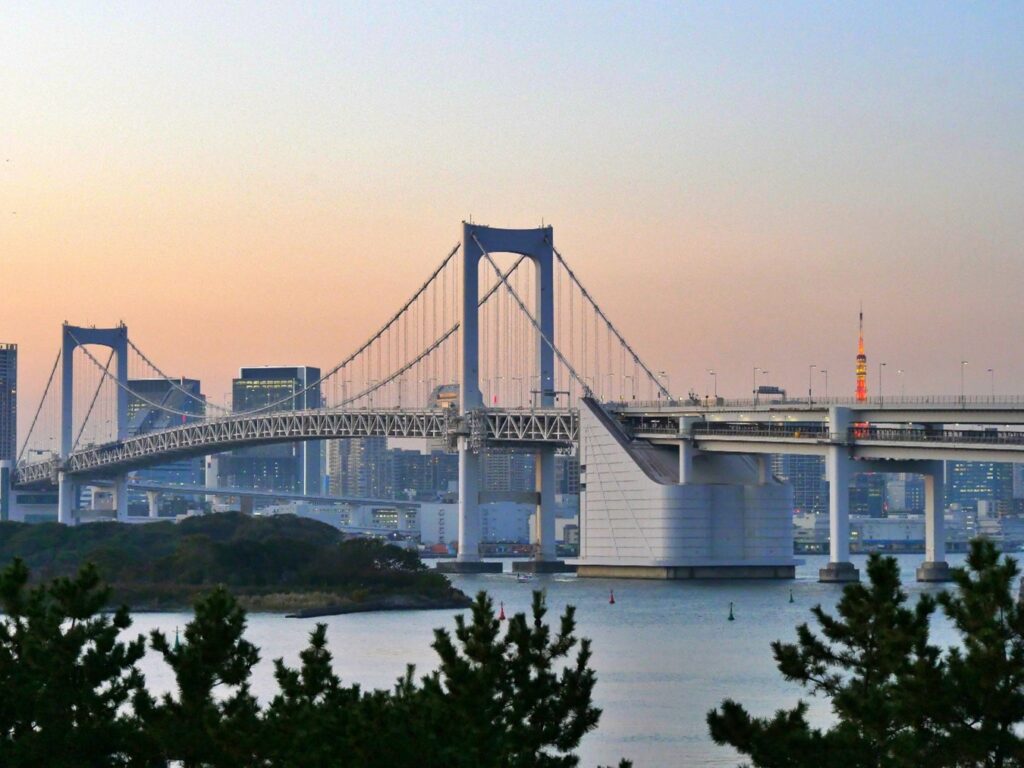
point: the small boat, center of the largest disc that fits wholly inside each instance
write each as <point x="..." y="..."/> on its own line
<point x="523" y="577"/>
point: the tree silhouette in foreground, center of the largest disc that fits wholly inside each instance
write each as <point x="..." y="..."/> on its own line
<point x="897" y="699"/>
<point x="73" y="694"/>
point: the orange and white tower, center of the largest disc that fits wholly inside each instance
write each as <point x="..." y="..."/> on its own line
<point x="862" y="364"/>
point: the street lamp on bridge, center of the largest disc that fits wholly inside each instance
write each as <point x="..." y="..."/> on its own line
<point x="824" y="372"/>
<point x="810" y="384"/>
<point x="881" y="399"/>
<point x="992" y="383"/>
<point x="714" y="378"/>
<point x="963" y="364"/>
<point x="757" y="370"/>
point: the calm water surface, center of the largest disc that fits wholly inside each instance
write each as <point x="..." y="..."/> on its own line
<point x="664" y="653"/>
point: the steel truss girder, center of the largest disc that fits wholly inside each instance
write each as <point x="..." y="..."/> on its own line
<point x="510" y="429"/>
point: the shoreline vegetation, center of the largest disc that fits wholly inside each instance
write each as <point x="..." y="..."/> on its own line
<point x="274" y="564"/>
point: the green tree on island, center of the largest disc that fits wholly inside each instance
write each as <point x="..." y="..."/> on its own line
<point x="898" y="700"/>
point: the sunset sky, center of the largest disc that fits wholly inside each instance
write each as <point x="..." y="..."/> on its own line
<point x="254" y="183"/>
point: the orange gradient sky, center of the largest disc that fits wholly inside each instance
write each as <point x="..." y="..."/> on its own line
<point x="262" y="183"/>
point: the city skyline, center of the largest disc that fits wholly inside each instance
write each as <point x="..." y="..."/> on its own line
<point x="739" y="178"/>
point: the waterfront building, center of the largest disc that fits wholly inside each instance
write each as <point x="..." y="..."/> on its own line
<point x="294" y="467"/>
<point x="8" y="402"/>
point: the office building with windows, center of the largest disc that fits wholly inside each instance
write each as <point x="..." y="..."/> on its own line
<point x="294" y="467"/>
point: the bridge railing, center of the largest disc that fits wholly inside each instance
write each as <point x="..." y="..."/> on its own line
<point x="857" y="434"/>
<point x="886" y="401"/>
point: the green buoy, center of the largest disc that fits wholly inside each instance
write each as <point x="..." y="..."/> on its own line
<point x="791" y="595"/>
<point x="731" y="617"/>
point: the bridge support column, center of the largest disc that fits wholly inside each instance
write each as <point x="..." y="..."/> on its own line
<point x="121" y="498"/>
<point x="153" y="499"/>
<point x="686" y="448"/>
<point x="545" y="559"/>
<point x="468" y="560"/>
<point x="67" y="492"/>
<point x="210" y="479"/>
<point x="839" y="568"/>
<point x="934" y="567"/>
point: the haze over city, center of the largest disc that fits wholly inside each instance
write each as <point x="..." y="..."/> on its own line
<point x="264" y="184"/>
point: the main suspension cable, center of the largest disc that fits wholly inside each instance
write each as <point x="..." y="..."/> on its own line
<point x="35" y="418"/>
<point x="609" y="324"/>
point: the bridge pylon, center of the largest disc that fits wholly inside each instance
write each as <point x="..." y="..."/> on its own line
<point x="538" y="246"/>
<point x="75" y="336"/>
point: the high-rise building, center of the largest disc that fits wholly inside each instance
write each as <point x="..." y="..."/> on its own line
<point x="968" y="482"/>
<point x="295" y="467"/>
<point x="182" y="395"/>
<point x="867" y="495"/>
<point x="807" y="476"/>
<point x="8" y="402"/>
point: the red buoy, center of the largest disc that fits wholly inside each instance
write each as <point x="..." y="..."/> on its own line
<point x="611" y="597"/>
<point x="501" y="612"/>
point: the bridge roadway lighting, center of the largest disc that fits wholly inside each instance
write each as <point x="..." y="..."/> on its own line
<point x="880" y="398"/>
<point x="963" y="364"/>
<point x="903" y="389"/>
<point x="668" y="385"/>
<point x="757" y="370"/>
<point x="714" y="378"/>
<point x="992" y="383"/>
<point x="810" y="384"/>
<point x="824" y="372"/>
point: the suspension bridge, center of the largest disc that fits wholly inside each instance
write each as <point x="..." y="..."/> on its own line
<point x="669" y="488"/>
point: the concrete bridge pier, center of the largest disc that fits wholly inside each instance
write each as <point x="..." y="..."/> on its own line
<point x="468" y="559"/>
<point x="839" y="568"/>
<point x="121" y="498"/>
<point x="153" y="500"/>
<point x="545" y="558"/>
<point x="67" y="492"/>
<point x="934" y="567"/>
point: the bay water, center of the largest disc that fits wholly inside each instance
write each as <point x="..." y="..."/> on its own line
<point x="664" y="652"/>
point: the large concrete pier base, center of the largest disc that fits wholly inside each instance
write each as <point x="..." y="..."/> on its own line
<point x="468" y="566"/>
<point x="543" y="566"/>
<point x="838" y="573"/>
<point x="934" y="572"/>
<point x="670" y="572"/>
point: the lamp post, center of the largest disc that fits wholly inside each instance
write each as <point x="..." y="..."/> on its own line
<point x="992" y="383"/>
<point x="668" y="384"/>
<point x="824" y="372"/>
<point x="963" y="364"/>
<point x="903" y="384"/>
<point x="810" y="384"/>
<point x="756" y="371"/>
<point x="881" y="399"/>
<point x="714" y="378"/>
